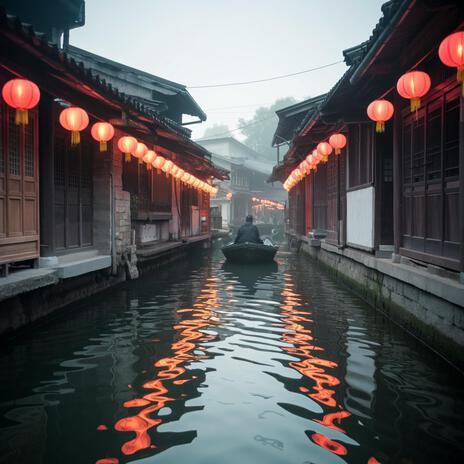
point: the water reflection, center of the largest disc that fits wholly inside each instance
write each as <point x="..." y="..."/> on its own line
<point x="249" y="276"/>
<point x="313" y="367"/>
<point x="215" y="363"/>
<point x="172" y="373"/>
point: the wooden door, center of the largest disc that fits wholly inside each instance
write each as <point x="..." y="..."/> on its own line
<point x="430" y="182"/>
<point x="19" y="214"/>
<point x="320" y="198"/>
<point x="73" y="185"/>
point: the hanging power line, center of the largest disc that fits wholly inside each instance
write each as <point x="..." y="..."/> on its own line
<point x="239" y="128"/>
<point x="230" y="84"/>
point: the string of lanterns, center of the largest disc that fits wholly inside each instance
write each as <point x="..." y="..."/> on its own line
<point x="412" y="85"/>
<point x="319" y="155"/>
<point x="24" y="95"/>
<point x="415" y="84"/>
<point x="267" y="203"/>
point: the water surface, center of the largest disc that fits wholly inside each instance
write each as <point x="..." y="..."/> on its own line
<point x="211" y="364"/>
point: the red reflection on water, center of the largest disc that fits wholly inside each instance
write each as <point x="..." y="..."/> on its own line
<point x="102" y="427"/>
<point x="329" y="420"/>
<point x="328" y="444"/>
<point x="373" y="461"/>
<point x="107" y="461"/>
<point x="311" y="366"/>
<point x="169" y="370"/>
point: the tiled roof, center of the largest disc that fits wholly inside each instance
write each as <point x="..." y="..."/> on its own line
<point x="354" y="57"/>
<point x="39" y="41"/>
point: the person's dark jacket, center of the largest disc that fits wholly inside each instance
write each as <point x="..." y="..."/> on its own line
<point x="248" y="233"/>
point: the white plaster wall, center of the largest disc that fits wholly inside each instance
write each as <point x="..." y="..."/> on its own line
<point x="360" y="217"/>
<point x="149" y="233"/>
<point x="225" y="212"/>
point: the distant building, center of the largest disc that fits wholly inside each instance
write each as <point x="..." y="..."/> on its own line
<point x="249" y="172"/>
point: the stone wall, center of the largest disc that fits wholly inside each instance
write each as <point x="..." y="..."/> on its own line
<point x="429" y="307"/>
<point x="124" y="247"/>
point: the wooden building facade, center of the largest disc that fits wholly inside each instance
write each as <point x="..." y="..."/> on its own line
<point x="400" y="192"/>
<point x="57" y="200"/>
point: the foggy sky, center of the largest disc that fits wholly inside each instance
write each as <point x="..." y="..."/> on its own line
<point x="219" y="41"/>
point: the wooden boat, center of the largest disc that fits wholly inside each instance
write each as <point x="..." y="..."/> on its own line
<point x="250" y="253"/>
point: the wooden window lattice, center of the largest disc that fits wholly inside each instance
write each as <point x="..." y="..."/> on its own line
<point x="13" y="146"/>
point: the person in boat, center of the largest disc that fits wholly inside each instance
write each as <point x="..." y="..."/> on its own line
<point x="248" y="232"/>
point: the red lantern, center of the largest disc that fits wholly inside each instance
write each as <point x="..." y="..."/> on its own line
<point x="413" y="85"/>
<point x="127" y="145"/>
<point x="22" y="95"/>
<point x="140" y="151"/>
<point x="305" y="166"/>
<point x="174" y="170"/>
<point x="380" y="111"/>
<point x="167" y="166"/>
<point x="325" y="149"/>
<point x="186" y="177"/>
<point x="451" y="53"/>
<point x="158" y="162"/>
<point x="148" y="158"/>
<point x="74" y="119"/>
<point x="178" y="175"/>
<point x="102" y="132"/>
<point x="338" y="141"/>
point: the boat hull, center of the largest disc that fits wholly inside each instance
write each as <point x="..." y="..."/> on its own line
<point x="249" y="253"/>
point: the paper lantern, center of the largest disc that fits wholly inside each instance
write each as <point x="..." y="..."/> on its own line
<point x="451" y="53"/>
<point x="158" y="163"/>
<point x="179" y="173"/>
<point x="167" y="166"/>
<point x="413" y="85"/>
<point x="325" y="149"/>
<point x="337" y="141"/>
<point x="22" y="95"/>
<point x="140" y="151"/>
<point x="148" y="158"/>
<point x="127" y="146"/>
<point x="74" y="119"/>
<point x="305" y="167"/>
<point x="186" y="177"/>
<point x="174" y="170"/>
<point x="380" y="111"/>
<point x="102" y="132"/>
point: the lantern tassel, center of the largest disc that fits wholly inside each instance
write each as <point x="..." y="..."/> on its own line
<point x="460" y="77"/>
<point x="380" y="127"/>
<point x="338" y="151"/>
<point x="127" y="157"/>
<point x="103" y="146"/>
<point x="75" y="138"/>
<point x="140" y="161"/>
<point x="415" y="104"/>
<point x="148" y="167"/>
<point x="21" y="117"/>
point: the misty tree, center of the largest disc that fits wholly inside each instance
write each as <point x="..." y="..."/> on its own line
<point x="260" y="129"/>
<point x="216" y="130"/>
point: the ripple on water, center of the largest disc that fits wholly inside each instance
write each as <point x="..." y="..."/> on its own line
<point x="212" y="364"/>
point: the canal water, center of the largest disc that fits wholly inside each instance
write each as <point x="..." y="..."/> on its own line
<point x="211" y="364"/>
